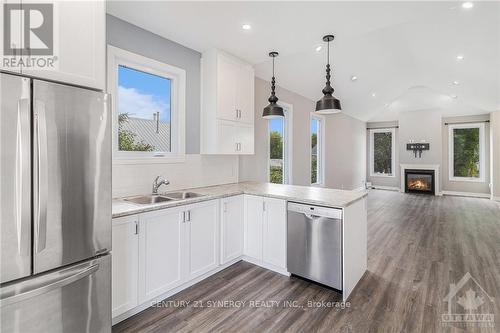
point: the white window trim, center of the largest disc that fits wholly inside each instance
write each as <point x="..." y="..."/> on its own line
<point x="393" y="152"/>
<point x="321" y="148"/>
<point x="287" y="143"/>
<point x="116" y="57"/>
<point x="482" y="160"/>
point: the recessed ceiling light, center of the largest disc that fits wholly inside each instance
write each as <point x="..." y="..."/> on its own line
<point x="456" y="83"/>
<point x="374" y="95"/>
<point x="318" y="48"/>
<point x="454" y="96"/>
<point x="460" y="57"/>
<point x="354" y="78"/>
<point x="246" y="27"/>
<point x="467" y="5"/>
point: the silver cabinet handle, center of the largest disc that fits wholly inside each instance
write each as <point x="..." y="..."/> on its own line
<point x="8" y="297"/>
<point x="41" y="170"/>
<point x="225" y="207"/>
<point x="136" y="228"/>
<point x="22" y="177"/>
<point x="188" y="213"/>
<point x="183" y="217"/>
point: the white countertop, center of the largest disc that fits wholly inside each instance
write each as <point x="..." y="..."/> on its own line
<point x="303" y="194"/>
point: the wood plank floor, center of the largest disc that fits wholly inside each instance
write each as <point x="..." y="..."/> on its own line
<point x="417" y="246"/>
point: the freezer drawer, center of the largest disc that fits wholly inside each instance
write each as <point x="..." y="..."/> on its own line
<point x="314" y="241"/>
<point x="74" y="299"/>
<point x="72" y="175"/>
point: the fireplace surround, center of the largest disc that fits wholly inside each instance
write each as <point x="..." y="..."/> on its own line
<point x="419" y="181"/>
<point x="419" y="167"/>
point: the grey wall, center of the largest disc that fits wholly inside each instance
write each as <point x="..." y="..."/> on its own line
<point x="495" y="154"/>
<point x="134" y="39"/>
<point x="377" y="180"/>
<point x="345" y="143"/>
<point x="457" y="186"/>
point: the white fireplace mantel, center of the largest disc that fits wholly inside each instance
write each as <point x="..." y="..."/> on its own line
<point x="434" y="167"/>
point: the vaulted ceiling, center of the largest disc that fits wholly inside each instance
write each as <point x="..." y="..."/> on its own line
<point x="404" y="54"/>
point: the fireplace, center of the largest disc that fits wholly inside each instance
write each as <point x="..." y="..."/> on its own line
<point x="419" y="181"/>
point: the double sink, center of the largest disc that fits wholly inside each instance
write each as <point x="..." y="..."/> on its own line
<point x="156" y="198"/>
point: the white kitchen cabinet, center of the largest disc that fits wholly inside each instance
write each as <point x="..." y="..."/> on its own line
<point x="80" y="41"/>
<point x="232" y="228"/>
<point x="162" y="252"/>
<point x="227" y="117"/>
<point x="202" y="234"/>
<point x="125" y="264"/>
<point x="274" y="232"/>
<point x="254" y="219"/>
<point x="265" y="231"/>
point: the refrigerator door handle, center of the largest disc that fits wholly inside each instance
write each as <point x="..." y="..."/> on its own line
<point x="8" y="297"/>
<point x="41" y="186"/>
<point x="22" y="180"/>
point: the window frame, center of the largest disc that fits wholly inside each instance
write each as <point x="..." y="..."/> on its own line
<point x="393" y="152"/>
<point x="287" y="144"/>
<point x="482" y="157"/>
<point x="177" y="76"/>
<point x="320" y="176"/>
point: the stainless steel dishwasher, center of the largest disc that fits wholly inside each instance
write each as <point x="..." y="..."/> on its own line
<point x="314" y="244"/>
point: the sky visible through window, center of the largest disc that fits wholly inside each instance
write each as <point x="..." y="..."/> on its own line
<point x="142" y="94"/>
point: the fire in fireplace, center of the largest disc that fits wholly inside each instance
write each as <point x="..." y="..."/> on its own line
<point x="419" y="181"/>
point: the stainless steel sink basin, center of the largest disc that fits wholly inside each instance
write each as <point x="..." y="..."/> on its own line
<point x="148" y="199"/>
<point x="182" y="195"/>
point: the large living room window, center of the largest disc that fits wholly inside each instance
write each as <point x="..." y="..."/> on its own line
<point x="382" y="152"/>
<point x="148" y="106"/>
<point x="466" y="152"/>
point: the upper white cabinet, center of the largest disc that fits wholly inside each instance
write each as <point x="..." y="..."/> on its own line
<point x="227" y="116"/>
<point x="265" y="231"/>
<point x="125" y="264"/>
<point x="79" y="43"/>
<point x="232" y="228"/>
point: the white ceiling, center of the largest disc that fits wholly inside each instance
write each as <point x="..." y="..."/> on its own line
<point x="404" y="52"/>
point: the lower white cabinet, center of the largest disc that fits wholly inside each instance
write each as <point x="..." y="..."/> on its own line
<point x="202" y="232"/>
<point x="125" y="266"/>
<point x="162" y="247"/>
<point x="232" y="228"/>
<point x="265" y="230"/>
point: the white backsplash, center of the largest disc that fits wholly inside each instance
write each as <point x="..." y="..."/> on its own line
<point x="195" y="171"/>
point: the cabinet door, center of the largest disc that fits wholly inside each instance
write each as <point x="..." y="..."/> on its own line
<point x="228" y="72"/>
<point x="232" y="228"/>
<point x="125" y="264"/>
<point x="274" y="232"/>
<point x="253" y="226"/>
<point x="80" y="40"/>
<point x="202" y="232"/>
<point x="245" y="139"/>
<point x="15" y="36"/>
<point x="227" y="138"/>
<point x="161" y="254"/>
<point x="245" y="94"/>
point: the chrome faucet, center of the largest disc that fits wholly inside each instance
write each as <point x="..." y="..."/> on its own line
<point x="157" y="184"/>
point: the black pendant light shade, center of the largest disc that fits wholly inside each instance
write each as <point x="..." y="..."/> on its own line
<point x="328" y="104"/>
<point x="273" y="110"/>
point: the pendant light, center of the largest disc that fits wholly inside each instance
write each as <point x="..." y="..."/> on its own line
<point x="328" y="104"/>
<point x="273" y="110"/>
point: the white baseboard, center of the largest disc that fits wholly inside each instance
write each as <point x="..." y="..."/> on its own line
<point x="172" y="292"/>
<point x="387" y="188"/>
<point x="467" y="194"/>
<point x="495" y="198"/>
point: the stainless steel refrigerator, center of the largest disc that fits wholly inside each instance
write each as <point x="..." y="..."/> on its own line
<point x="55" y="197"/>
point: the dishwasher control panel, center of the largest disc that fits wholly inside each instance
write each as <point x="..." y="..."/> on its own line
<point x="333" y="213"/>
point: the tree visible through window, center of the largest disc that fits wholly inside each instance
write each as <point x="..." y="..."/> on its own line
<point x="276" y="150"/>
<point x="316" y="175"/>
<point x="382" y="152"/>
<point x="466" y="150"/>
<point x="144" y="114"/>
